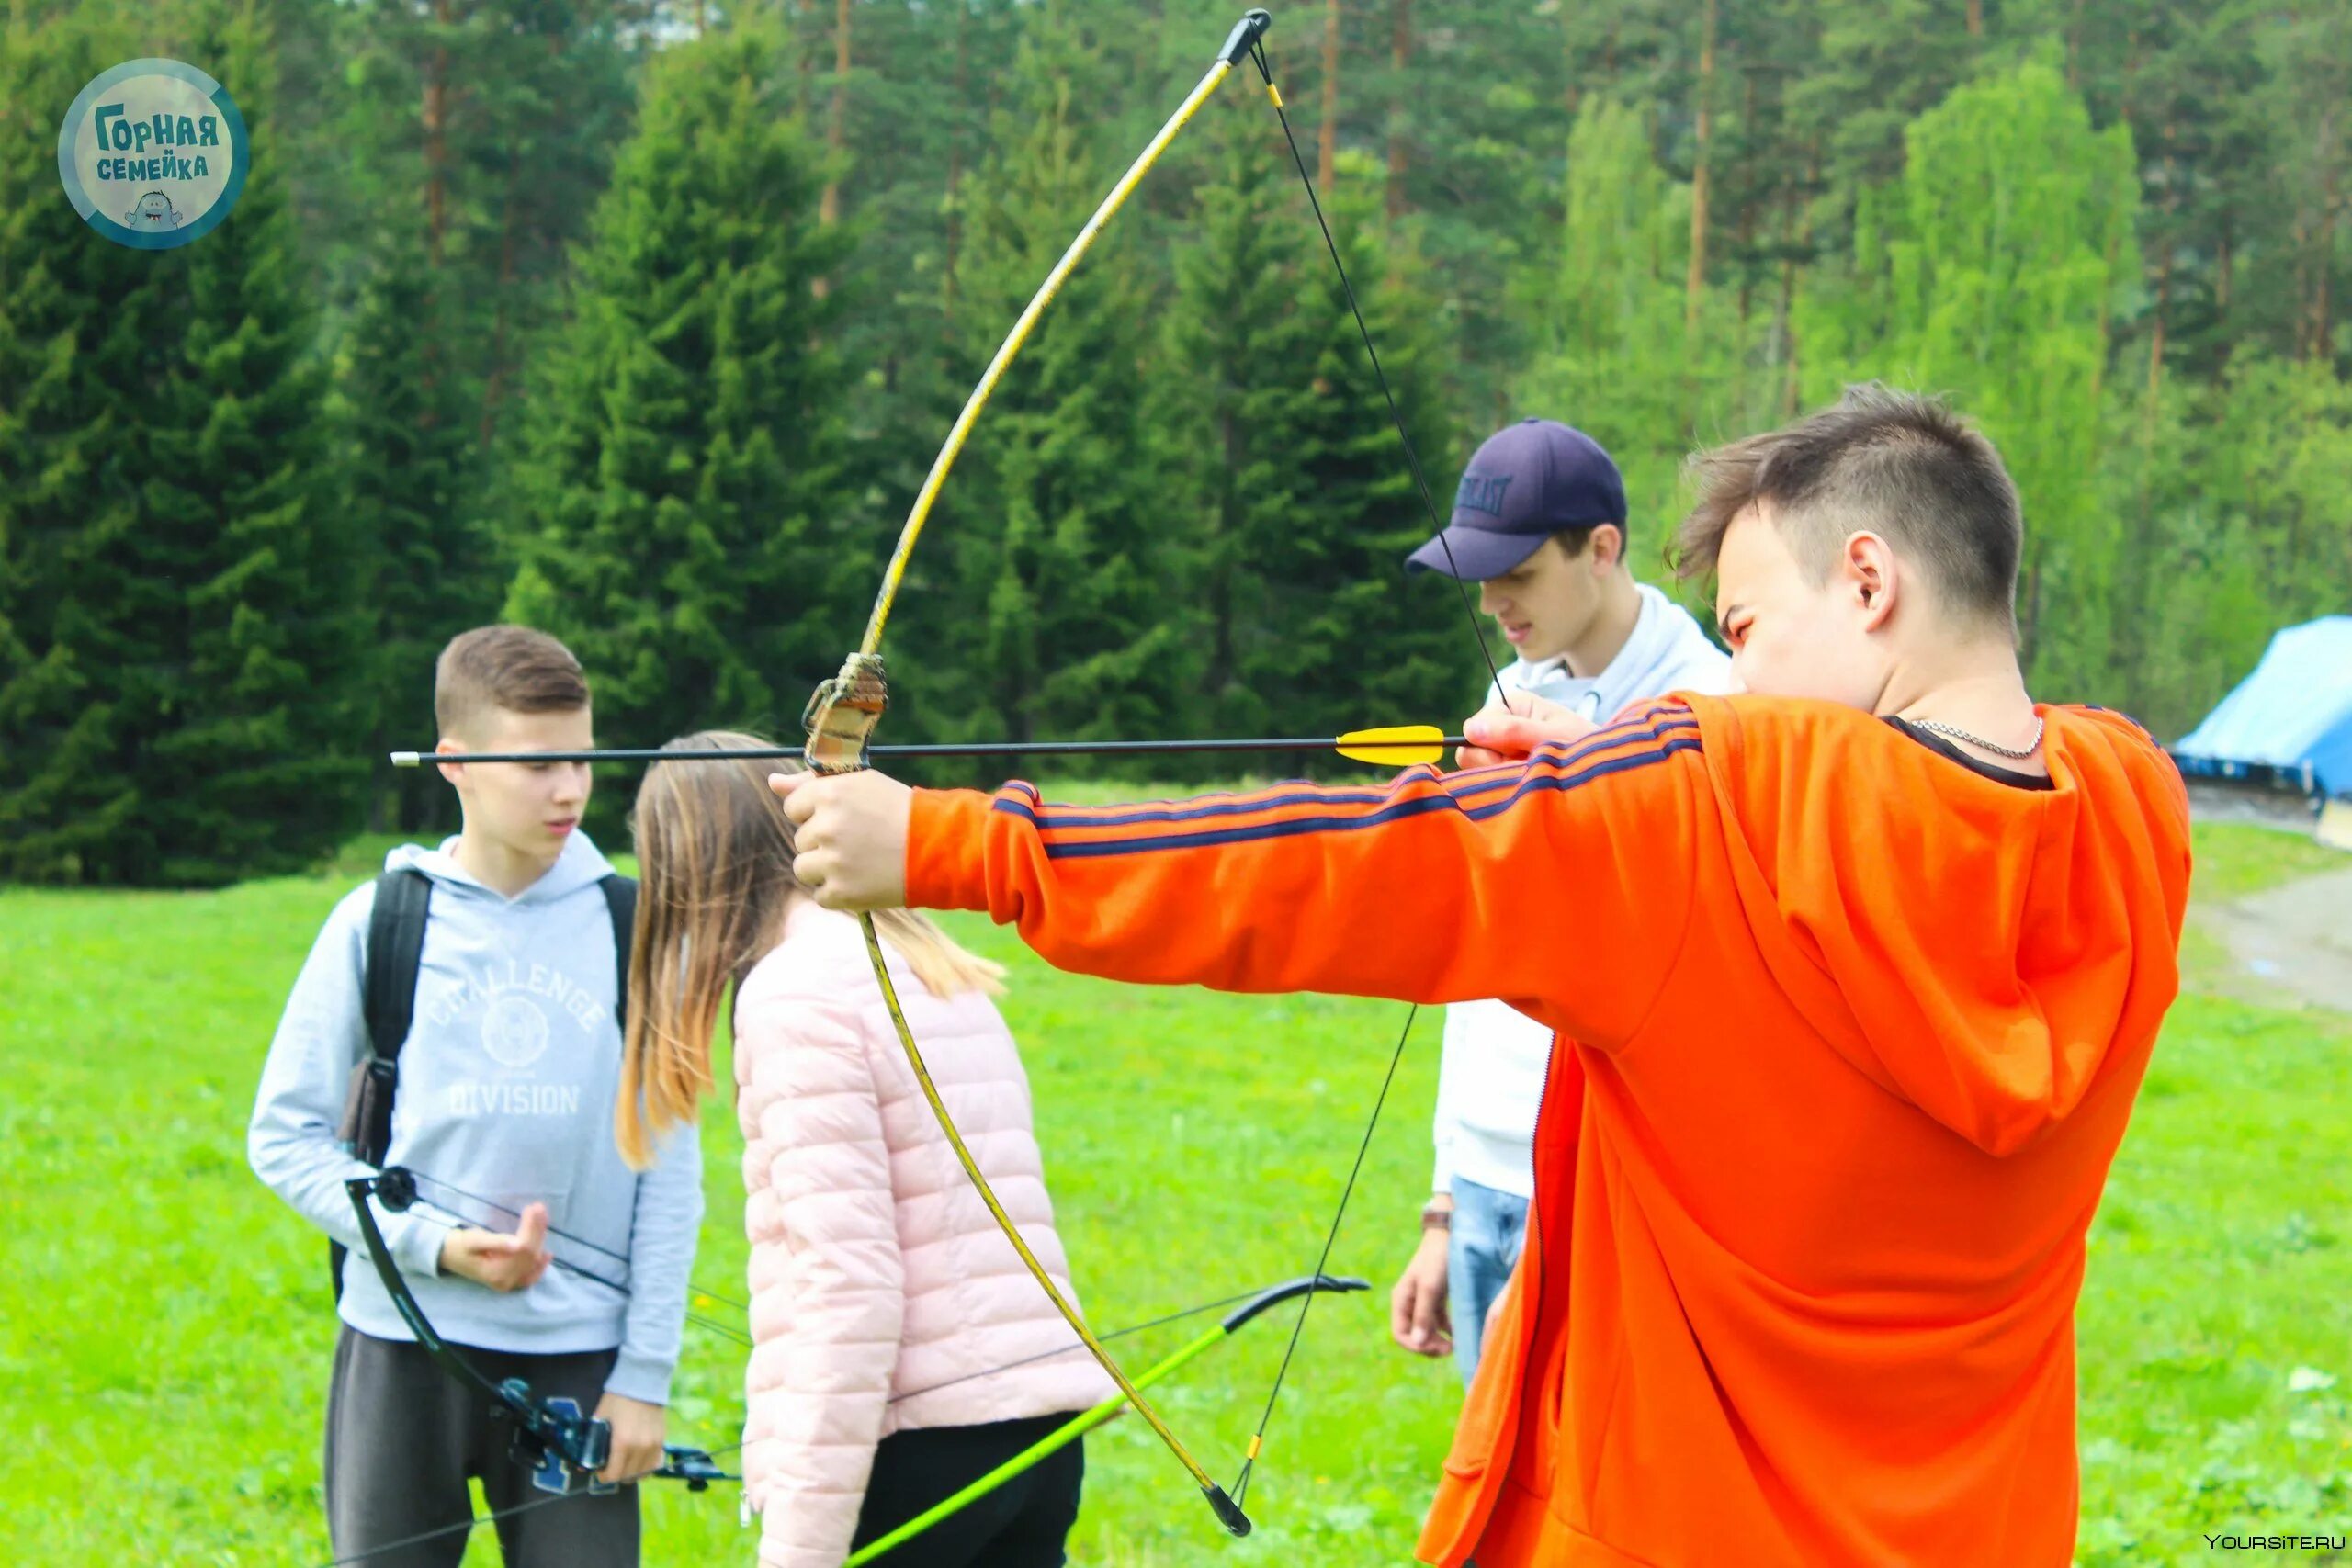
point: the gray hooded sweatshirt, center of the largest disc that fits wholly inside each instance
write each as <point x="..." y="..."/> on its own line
<point x="507" y="1084"/>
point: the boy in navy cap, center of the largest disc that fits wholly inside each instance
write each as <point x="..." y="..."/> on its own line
<point x="1539" y="524"/>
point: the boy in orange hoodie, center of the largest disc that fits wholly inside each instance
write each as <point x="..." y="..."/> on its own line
<point x="1886" y="945"/>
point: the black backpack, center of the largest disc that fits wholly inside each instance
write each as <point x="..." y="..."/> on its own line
<point x="395" y="947"/>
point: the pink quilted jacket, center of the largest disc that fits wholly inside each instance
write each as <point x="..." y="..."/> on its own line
<point x="880" y="1288"/>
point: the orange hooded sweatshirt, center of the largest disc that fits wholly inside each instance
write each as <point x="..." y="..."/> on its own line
<point x="1848" y="1034"/>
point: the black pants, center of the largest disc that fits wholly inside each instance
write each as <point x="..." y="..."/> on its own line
<point x="1021" y="1524"/>
<point x="403" y="1436"/>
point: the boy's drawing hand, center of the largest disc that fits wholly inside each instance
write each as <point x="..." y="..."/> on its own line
<point x="851" y="832"/>
<point x="501" y="1261"/>
<point x="638" y="1430"/>
<point x="1498" y="735"/>
<point x="1416" y="1316"/>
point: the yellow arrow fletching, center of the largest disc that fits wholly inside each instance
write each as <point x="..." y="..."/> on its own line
<point x="1395" y="745"/>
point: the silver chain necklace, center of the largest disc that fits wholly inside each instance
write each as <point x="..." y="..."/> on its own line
<point x="1958" y="734"/>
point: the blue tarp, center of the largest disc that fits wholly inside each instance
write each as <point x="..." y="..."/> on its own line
<point x="2294" y="710"/>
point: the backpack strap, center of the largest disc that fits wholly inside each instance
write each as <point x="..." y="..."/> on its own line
<point x="395" y="952"/>
<point x="620" y="901"/>
<point x="387" y="1000"/>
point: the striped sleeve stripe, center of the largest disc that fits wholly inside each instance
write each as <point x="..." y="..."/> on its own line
<point x="1291" y="795"/>
<point x="1553" y="768"/>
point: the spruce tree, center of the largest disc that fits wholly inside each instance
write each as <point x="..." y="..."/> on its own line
<point x="1053" y="617"/>
<point x="678" y="513"/>
<point x="409" y="468"/>
<point x="74" y="309"/>
<point x="1300" y="504"/>
<point x="176" y="704"/>
<point x="1236" y="393"/>
<point x="1361" y="642"/>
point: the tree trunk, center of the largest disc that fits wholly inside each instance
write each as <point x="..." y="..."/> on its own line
<point x="1975" y="18"/>
<point x="1327" y="136"/>
<point x="1792" y="387"/>
<point x="2163" y="281"/>
<point x="955" y="176"/>
<point x="436" y="141"/>
<point x="829" y="205"/>
<point x="1224" y="660"/>
<point x="1400" y="56"/>
<point x="801" y="35"/>
<point x="495" y="393"/>
<point x="1743" y="248"/>
<point x="436" y="216"/>
<point x="2323" y="263"/>
<point x="2115" y="240"/>
<point x="1696" y="287"/>
<point x="2074" y="49"/>
<point x="1568" y="59"/>
<point x="2221" y="274"/>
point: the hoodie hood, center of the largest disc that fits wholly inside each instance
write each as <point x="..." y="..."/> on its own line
<point x="1666" y="652"/>
<point x="580" y="864"/>
<point x="1993" y="960"/>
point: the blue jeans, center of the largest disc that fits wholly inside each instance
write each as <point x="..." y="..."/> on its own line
<point x="1482" y="1248"/>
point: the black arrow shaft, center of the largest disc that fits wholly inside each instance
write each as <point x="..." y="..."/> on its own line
<point x="945" y="748"/>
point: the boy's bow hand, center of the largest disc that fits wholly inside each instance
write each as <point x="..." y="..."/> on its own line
<point x="638" y="1430"/>
<point x="500" y="1261"/>
<point x="851" y="832"/>
<point x="1497" y="735"/>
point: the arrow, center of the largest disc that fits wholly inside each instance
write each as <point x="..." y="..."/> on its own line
<point x="1397" y="745"/>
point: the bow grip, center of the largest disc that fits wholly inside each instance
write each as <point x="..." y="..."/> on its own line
<point x="842" y="714"/>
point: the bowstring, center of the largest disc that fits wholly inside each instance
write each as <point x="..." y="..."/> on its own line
<point x="724" y="1330"/>
<point x="1493" y="673"/>
<point x="1076" y="1345"/>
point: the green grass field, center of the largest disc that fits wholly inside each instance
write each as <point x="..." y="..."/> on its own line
<point x="167" y="1327"/>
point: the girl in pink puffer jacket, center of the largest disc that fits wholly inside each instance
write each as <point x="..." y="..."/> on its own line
<point x="900" y="1349"/>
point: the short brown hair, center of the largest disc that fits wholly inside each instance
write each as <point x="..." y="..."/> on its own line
<point x="513" y="668"/>
<point x="1900" y="465"/>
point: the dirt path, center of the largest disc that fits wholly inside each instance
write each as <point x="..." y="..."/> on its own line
<point x="2290" y="946"/>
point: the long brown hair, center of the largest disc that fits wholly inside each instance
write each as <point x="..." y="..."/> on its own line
<point x="715" y="855"/>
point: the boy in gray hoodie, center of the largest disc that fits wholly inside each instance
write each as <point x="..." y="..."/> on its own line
<point x="503" y="1108"/>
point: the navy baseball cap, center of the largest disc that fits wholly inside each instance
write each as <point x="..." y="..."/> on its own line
<point x="1529" y="481"/>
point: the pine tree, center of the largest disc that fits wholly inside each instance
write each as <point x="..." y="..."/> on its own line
<point x="678" y="517"/>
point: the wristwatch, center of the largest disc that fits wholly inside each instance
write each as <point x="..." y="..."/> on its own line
<point x="1435" y="1218"/>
